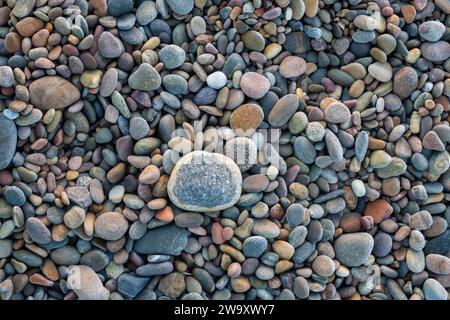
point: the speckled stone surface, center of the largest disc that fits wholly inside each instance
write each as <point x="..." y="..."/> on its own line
<point x="203" y="181"/>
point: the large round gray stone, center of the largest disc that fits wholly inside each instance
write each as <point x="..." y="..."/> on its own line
<point x="203" y="181"/>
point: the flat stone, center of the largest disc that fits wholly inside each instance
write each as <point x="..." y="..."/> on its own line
<point x="175" y="84"/>
<point x="74" y="217"/>
<point x="117" y="8"/>
<point x="130" y="284"/>
<point x="433" y="290"/>
<point x="438" y="264"/>
<point x="37" y="231"/>
<point x="304" y="150"/>
<point x="23" y="8"/>
<point x="431" y="30"/>
<point x="295" y="214"/>
<point x="173" y="285"/>
<point x="145" y="78"/>
<point x="415" y="260"/>
<point x="353" y="249"/>
<point x="435" y="51"/>
<point x="337" y="112"/>
<point x="216" y="80"/>
<point x="292" y="66"/>
<point x="110" y="226"/>
<point x="146" y="12"/>
<point x="79" y="195"/>
<point x="53" y="92"/>
<point x="405" y="82"/>
<point x="283" y="110"/>
<point x="297" y="42"/>
<point x="247" y="117"/>
<point x="6" y="76"/>
<point x="254" y="246"/>
<point x="110" y="46"/>
<point x="6" y="248"/>
<point x="86" y="283"/>
<point x="8" y="141"/>
<point x="109" y="82"/>
<point x="380" y="159"/>
<point x="95" y="259"/>
<point x="253" y="40"/>
<point x="432" y="141"/>
<point x="254" y="85"/>
<point x="202" y="181"/>
<point x="91" y="78"/>
<point x="439" y="244"/>
<point x="396" y="168"/>
<point x="181" y="7"/>
<point x="29" y="26"/>
<point x="169" y="240"/>
<point x="421" y="220"/>
<point x="172" y="56"/>
<point x="382" y="71"/>
<point x="334" y="146"/>
<point x="379" y="210"/>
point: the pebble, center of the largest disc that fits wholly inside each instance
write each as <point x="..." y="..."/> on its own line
<point x="435" y="51"/>
<point x="131" y="285"/>
<point x="146" y="12"/>
<point x="337" y="113"/>
<point x="421" y="220"/>
<point x="247" y="117"/>
<point x="169" y="240"/>
<point x="216" y="80"/>
<point x="110" y="226"/>
<point x="186" y="187"/>
<point x="324" y="266"/>
<point x="110" y="46"/>
<point x="86" y="284"/>
<point x="254" y="85"/>
<point x="6" y="76"/>
<point x="6" y="248"/>
<point x="438" y="264"/>
<point x="379" y="210"/>
<point x="431" y="30"/>
<point x="172" y="56"/>
<point x="145" y="78"/>
<point x="8" y="141"/>
<point x="254" y="246"/>
<point x="52" y="92"/>
<point x="433" y="290"/>
<point x="353" y="249"/>
<point x="381" y="71"/>
<point x="292" y="67"/>
<point x="181" y="7"/>
<point x="283" y="110"/>
<point x="295" y="214"/>
<point x="405" y="82"/>
<point x="37" y="231"/>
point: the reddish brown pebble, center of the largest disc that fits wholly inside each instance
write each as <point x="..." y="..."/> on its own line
<point x="165" y="214"/>
<point x="247" y="117"/>
<point x="40" y="280"/>
<point x="216" y="233"/>
<point x="29" y="26"/>
<point x="379" y="210"/>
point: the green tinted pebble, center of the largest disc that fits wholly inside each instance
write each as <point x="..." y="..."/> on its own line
<point x="119" y="102"/>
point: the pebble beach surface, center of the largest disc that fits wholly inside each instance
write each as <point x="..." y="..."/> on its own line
<point x="224" y="150"/>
